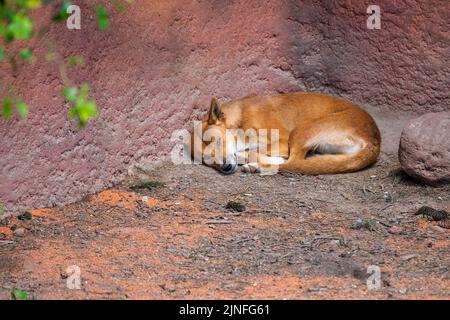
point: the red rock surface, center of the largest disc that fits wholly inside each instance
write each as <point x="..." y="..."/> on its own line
<point x="158" y="65"/>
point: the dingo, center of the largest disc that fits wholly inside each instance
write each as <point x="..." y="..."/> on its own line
<point x="317" y="134"/>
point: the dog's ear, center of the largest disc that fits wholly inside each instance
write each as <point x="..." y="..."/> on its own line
<point x="215" y="114"/>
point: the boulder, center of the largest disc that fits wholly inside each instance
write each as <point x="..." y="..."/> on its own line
<point x="424" y="151"/>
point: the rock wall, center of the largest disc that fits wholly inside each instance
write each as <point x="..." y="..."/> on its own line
<point x="158" y="65"/>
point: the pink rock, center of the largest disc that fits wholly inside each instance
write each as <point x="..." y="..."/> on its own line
<point x="424" y="151"/>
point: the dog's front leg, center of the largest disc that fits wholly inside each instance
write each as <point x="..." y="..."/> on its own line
<point x="252" y="167"/>
<point x="265" y="165"/>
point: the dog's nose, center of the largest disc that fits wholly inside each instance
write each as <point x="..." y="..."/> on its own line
<point x="228" y="168"/>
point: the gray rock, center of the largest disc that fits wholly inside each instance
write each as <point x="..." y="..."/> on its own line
<point x="424" y="151"/>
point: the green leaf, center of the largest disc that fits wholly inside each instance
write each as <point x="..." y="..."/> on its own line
<point x="70" y="93"/>
<point x="84" y="91"/>
<point x="87" y="110"/>
<point x="2" y="54"/>
<point x="33" y="4"/>
<point x="7" y="108"/>
<point x="82" y="108"/>
<point x="26" y="54"/>
<point x="22" y="109"/>
<point x="9" y="13"/>
<point x="21" y="27"/>
<point x="62" y="13"/>
<point x="102" y="17"/>
<point x="29" y="4"/>
<point x="19" y="295"/>
<point x="2" y="28"/>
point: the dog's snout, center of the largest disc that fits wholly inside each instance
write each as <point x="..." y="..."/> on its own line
<point x="228" y="168"/>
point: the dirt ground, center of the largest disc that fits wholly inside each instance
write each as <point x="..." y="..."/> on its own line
<point x="299" y="237"/>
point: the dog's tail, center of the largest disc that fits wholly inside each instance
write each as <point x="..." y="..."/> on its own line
<point x="334" y="163"/>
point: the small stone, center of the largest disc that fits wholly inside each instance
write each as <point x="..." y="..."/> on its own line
<point x="235" y="206"/>
<point x="438" y="229"/>
<point x="402" y="291"/>
<point x="409" y="257"/>
<point x="436" y="215"/>
<point x="19" y="232"/>
<point x="357" y="224"/>
<point x="316" y="289"/>
<point x="168" y="287"/>
<point x="25" y="216"/>
<point x="395" y="230"/>
<point x="368" y="224"/>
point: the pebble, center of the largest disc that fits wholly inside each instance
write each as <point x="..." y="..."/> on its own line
<point x="25" y="216"/>
<point x="438" y="229"/>
<point x="316" y="289"/>
<point x="19" y="232"/>
<point x="235" y="206"/>
<point x="409" y="257"/>
<point x="395" y="230"/>
<point x="168" y="287"/>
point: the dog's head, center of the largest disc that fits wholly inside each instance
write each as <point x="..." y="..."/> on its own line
<point x="209" y="141"/>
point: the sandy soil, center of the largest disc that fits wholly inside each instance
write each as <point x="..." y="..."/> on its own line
<point x="299" y="237"/>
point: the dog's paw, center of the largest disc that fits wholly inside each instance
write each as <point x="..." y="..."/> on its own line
<point x="251" y="168"/>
